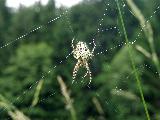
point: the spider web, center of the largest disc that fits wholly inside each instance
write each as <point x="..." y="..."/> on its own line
<point x="100" y="51"/>
<point x="19" y="38"/>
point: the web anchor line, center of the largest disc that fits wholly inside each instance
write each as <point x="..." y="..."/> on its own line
<point x="32" y="31"/>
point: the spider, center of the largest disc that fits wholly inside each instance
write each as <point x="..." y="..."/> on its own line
<point x="82" y="53"/>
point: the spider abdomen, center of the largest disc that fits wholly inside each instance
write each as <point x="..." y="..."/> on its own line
<point x="81" y="51"/>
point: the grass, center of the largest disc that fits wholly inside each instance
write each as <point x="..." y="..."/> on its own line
<point x="132" y="62"/>
<point x="12" y="111"/>
<point x="37" y="93"/>
<point x="148" y="32"/>
<point x="68" y="99"/>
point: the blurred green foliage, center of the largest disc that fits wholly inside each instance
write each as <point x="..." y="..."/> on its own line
<point x="25" y="61"/>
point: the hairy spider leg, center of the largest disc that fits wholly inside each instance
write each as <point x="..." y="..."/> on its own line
<point x="89" y="72"/>
<point x="93" y="47"/>
<point x="75" y="70"/>
<point x="86" y="74"/>
<point x="72" y="43"/>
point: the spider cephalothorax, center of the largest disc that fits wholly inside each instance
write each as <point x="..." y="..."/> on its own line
<point x="82" y="53"/>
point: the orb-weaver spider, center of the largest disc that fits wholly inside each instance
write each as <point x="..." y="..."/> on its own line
<point x="82" y="53"/>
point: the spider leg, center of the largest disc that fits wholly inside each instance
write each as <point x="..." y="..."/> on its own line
<point x="93" y="47"/>
<point x="72" y="43"/>
<point x="85" y="74"/>
<point x="89" y="72"/>
<point x="75" y="70"/>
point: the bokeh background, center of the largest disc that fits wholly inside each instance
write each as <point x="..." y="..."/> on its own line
<point x="36" y="85"/>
